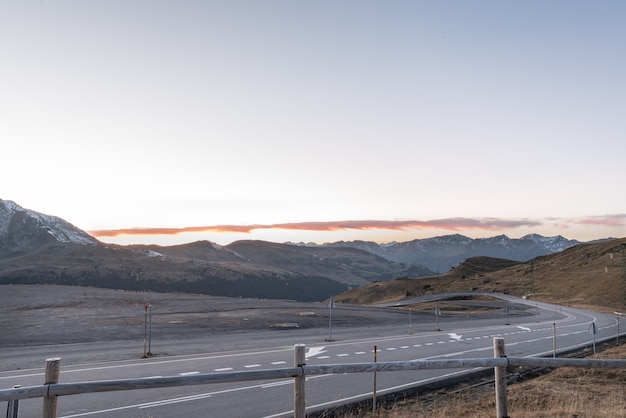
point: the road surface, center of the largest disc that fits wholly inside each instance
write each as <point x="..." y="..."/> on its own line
<point x="455" y="336"/>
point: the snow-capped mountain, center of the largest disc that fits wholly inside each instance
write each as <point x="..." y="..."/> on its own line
<point x="22" y="228"/>
<point x="447" y="251"/>
<point x="43" y="249"/>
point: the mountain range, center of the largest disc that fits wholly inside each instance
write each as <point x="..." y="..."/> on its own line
<point x="442" y="253"/>
<point x="36" y="248"/>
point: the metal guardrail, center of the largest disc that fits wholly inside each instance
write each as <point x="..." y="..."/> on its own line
<point x="51" y="389"/>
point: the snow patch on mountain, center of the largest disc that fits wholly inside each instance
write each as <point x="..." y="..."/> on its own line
<point x="57" y="228"/>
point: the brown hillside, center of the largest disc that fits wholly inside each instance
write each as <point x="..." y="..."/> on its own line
<point x="400" y="288"/>
<point x="584" y="275"/>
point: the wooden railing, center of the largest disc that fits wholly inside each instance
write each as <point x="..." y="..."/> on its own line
<point x="51" y="389"/>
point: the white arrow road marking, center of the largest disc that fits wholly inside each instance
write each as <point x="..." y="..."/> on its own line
<point x="523" y="328"/>
<point x="454" y="336"/>
<point x="314" y="351"/>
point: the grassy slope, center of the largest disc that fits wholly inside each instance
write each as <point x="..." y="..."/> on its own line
<point x="564" y="392"/>
<point x="587" y="276"/>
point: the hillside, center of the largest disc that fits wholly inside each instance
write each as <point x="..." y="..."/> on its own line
<point x="584" y="275"/>
<point x="42" y="249"/>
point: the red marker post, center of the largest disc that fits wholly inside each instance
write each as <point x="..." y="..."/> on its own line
<point x="374" y="395"/>
<point x="145" y="332"/>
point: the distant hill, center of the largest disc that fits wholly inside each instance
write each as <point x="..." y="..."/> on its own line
<point x="583" y="275"/>
<point x="37" y="248"/>
<point x="404" y="287"/>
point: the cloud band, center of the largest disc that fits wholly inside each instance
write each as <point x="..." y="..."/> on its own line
<point x="450" y="224"/>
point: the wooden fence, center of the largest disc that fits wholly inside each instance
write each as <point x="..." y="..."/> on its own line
<point x="52" y="389"/>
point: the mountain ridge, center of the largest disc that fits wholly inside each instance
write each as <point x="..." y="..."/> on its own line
<point x="39" y="248"/>
<point x="441" y="253"/>
<point x="42" y="249"/>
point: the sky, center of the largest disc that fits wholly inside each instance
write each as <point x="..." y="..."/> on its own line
<point x="174" y="121"/>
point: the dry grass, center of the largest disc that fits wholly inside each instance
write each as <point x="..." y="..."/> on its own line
<point x="565" y="392"/>
<point x="587" y="276"/>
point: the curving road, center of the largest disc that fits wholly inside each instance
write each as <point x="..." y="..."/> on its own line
<point x="528" y="331"/>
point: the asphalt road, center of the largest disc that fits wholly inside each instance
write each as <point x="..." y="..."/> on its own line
<point x="528" y="329"/>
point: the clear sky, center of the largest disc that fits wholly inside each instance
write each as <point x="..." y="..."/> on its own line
<point x="316" y="120"/>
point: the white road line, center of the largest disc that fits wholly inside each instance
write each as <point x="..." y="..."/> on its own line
<point x="188" y="373"/>
<point x="359" y="352"/>
<point x="271" y="385"/>
<point x="249" y="366"/>
<point x="278" y="362"/>
<point x="224" y="369"/>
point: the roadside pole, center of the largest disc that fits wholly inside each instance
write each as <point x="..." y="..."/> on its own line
<point x="593" y="330"/>
<point x="437" y="315"/>
<point x="149" y="330"/>
<point x="331" y="305"/>
<point x="145" y="331"/>
<point x="554" y="340"/>
<point x="374" y="393"/>
<point x="13" y="405"/>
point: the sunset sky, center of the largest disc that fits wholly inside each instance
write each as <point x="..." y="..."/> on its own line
<point x="172" y="121"/>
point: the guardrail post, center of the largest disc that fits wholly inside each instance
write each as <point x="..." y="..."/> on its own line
<point x="298" y="384"/>
<point x="500" y="378"/>
<point x="53" y="370"/>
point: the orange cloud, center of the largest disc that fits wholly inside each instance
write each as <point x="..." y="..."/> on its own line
<point x="451" y="224"/>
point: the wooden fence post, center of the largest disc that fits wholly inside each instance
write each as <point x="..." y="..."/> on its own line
<point x="500" y="378"/>
<point x="13" y="406"/>
<point x="298" y="384"/>
<point x="53" y="370"/>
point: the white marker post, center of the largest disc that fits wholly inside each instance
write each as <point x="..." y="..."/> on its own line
<point x="593" y="330"/>
<point x="331" y="305"/>
<point x="437" y="314"/>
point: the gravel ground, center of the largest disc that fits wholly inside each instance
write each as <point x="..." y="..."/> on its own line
<point x="39" y="320"/>
<point x="84" y="324"/>
<point x="40" y="315"/>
